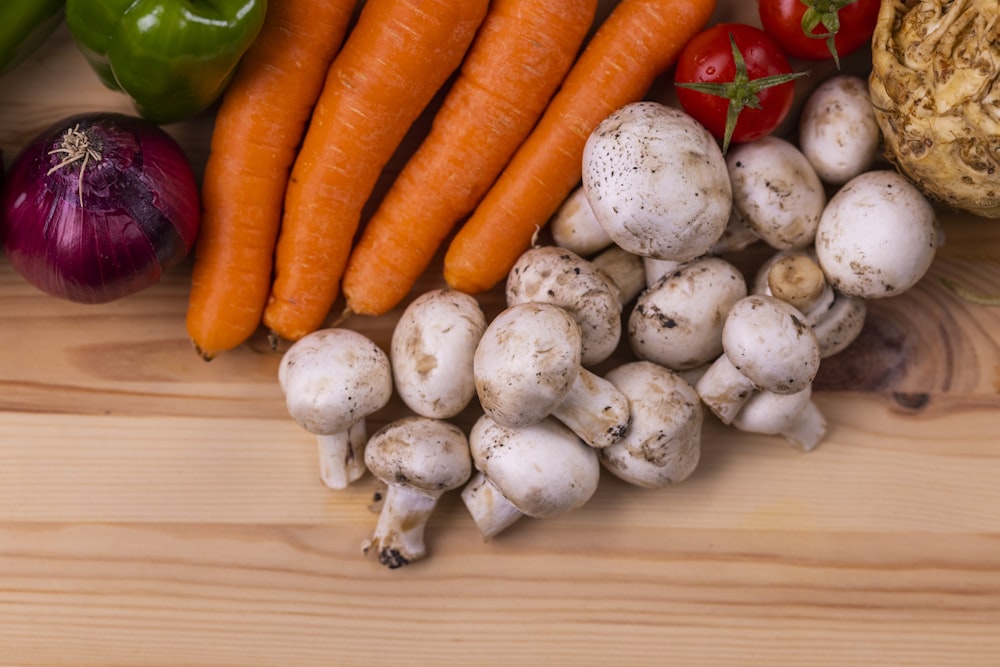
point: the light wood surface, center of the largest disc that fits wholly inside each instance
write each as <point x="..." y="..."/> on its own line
<point x="156" y="509"/>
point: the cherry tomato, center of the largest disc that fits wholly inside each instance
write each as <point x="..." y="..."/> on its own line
<point x="819" y="29"/>
<point x="736" y="81"/>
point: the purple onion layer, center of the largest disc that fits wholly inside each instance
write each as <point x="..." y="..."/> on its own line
<point x="98" y="206"/>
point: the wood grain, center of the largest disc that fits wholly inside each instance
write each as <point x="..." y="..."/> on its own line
<point x="156" y="509"/>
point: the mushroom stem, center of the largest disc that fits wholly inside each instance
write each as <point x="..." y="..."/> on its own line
<point x="725" y="389"/>
<point x="797" y="279"/>
<point x="655" y="269"/>
<point x="794" y="416"/>
<point x="342" y="456"/>
<point x="625" y="270"/>
<point x="399" y="534"/>
<point x="808" y="430"/>
<point x="594" y="409"/>
<point x="490" y="509"/>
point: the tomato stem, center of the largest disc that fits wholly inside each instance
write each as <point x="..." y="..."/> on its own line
<point x="824" y="13"/>
<point x="742" y="91"/>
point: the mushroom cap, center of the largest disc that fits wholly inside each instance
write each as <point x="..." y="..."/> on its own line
<point x="770" y="342"/>
<point x="422" y="452"/>
<point x="663" y="443"/>
<point x="559" y="276"/>
<point x="526" y="362"/>
<point x="431" y="351"/>
<point x="838" y="132"/>
<point x="574" y="226"/>
<point x="657" y="182"/>
<point x="543" y="469"/>
<point x="334" y="378"/>
<point x="677" y="322"/>
<point x="776" y="191"/>
<point x="877" y="236"/>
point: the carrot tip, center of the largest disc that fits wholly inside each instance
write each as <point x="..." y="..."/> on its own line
<point x="204" y="354"/>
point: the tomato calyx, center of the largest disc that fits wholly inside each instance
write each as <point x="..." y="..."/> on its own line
<point x="824" y="13"/>
<point x="742" y="91"/>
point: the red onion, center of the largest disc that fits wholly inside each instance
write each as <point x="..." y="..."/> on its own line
<point x="98" y="206"/>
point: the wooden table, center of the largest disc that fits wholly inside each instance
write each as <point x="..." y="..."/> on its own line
<point x="156" y="509"/>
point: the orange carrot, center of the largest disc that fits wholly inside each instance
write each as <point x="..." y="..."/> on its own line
<point x="400" y="53"/>
<point x="517" y="61"/>
<point x="636" y="42"/>
<point x="258" y="128"/>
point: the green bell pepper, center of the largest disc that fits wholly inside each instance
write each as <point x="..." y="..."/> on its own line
<point x="24" y="25"/>
<point x="172" y="57"/>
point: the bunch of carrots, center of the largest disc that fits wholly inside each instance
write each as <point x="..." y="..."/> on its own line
<point x="319" y="106"/>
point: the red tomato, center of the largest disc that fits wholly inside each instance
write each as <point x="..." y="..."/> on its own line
<point x="802" y="27"/>
<point x="735" y="103"/>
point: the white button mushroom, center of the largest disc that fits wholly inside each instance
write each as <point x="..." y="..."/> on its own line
<point x="776" y="191"/>
<point x="767" y="345"/>
<point x="838" y="132"/>
<point x="796" y="277"/>
<point x="656" y="181"/>
<point x="794" y="416"/>
<point x="877" y="236"/>
<point x="527" y="366"/>
<point x="333" y="379"/>
<point x="541" y="471"/>
<point x="431" y="351"/>
<point x="555" y="275"/>
<point x="663" y="442"/>
<point x="419" y="459"/>
<point x="678" y="321"/>
<point x="575" y="227"/>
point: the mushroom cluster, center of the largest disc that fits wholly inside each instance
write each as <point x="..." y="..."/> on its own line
<point x="617" y="340"/>
<point x="751" y="345"/>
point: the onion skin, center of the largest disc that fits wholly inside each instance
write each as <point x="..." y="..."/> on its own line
<point x="134" y="214"/>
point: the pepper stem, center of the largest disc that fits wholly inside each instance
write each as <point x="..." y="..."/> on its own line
<point x="75" y="146"/>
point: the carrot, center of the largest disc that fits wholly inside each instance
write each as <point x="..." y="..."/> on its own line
<point x="517" y="61"/>
<point x="258" y="128"/>
<point x="400" y="53"/>
<point x="636" y="42"/>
